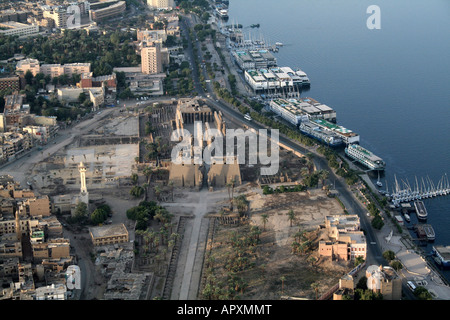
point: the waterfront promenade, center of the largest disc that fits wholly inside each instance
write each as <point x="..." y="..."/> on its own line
<point x="415" y="266"/>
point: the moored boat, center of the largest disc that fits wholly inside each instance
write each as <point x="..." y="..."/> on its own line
<point x="421" y="211"/>
<point x="442" y="254"/>
<point x="407" y="217"/>
<point x="429" y="232"/>
<point x="365" y="157"/>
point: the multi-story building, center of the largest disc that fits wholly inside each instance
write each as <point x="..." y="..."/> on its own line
<point x="96" y="95"/>
<point x="12" y="28"/>
<point x="347" y="135"/>
<point x="15" y="109"/>
<point x="56" y="70"/>
<point x="109" y="234"/>
<point x="296" y="111"/>
<point x="52" y="292"/>
<point x="151" y="60"/>
<point x="161" y="4"/>
<point x="50" y="249"/>
<point x="58" y="15"/>
<point x="341" y="223"/>
<point x="152" y="36"/>
<point x="13" y="15"/>
<point x="28" y="64"/>
<point x="384" y="280"/>
<point x="254" y="59"/>
<point x="10" y="83"/>
<point x="88" y="81"/>
<point x="106" y="9"/>
<point x="345" y="242"/>
<point x="10" y="248"/>
<point x="39" y="206"/>
<point x="13" y="144"/>
<point x="273" y="79"/>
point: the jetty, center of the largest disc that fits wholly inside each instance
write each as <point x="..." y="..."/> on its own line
<point x="404" y="192"/>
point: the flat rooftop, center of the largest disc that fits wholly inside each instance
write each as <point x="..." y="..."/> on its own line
<point x="108" y="231"/>
<point x="368" y="153"/>
<point x="343" y="219"/>
<point x="444" y="251"/>
<point x="334" y="127"/>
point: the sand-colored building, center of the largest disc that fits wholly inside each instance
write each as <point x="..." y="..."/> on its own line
<point x="151" y="59"/>
<point x="346" y="288"/>
<point x="345" y="242"/>
<point x="28" y="64"/>
<point x="341" y="223"/>
<point x="109" y="234"/>
<point x="220" y="174"/>
<point x="186" y="175"/>
<point x="334" y="250"/>
<point x="39" y="206"/>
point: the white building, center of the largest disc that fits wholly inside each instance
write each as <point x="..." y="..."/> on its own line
<point x="58" y="15"/>
<point x="12" y="28"/>
<point x="161" y="4"/>
<point x="52" y="292"/>
<point x="275" y="78"/>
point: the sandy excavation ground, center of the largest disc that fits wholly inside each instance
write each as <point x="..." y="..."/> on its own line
<point x="273" y="257"/>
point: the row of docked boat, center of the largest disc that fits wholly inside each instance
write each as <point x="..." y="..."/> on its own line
<point x="426" y="190"/>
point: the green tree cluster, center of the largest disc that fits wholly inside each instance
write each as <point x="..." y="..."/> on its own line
<point x="100" y="214"/>
<point x="103" y="51"/>
<point x="282" y="189"/>
<point x="143" y="213"/>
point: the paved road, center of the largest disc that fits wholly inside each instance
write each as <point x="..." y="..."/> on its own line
<point x="232" y="114"/>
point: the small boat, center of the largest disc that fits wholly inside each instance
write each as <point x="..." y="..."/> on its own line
<point x="279" y="44"/>
<point x="429" y="231"/>
<point x="379" y="184"/>
<point x="421" y="211"/>
<point x="407" y="218"/>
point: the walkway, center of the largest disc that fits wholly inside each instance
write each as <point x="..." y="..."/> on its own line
<point x="190" y="260"/>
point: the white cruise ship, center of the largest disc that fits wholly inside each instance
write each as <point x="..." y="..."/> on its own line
<point x="365" y="157"/>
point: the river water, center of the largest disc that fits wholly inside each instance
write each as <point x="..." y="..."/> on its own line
<point x="390" y="85"/>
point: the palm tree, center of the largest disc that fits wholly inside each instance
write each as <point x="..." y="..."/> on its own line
<point x="291" y="216"/>
<point x="147" y="172"/>
<point x="283" y="278"/>
<point x="294" y="246"/>
<point x="156" y="243"/>
<point x="315" y="286"/>
<point x="157" y="192"/>
<point x="304" y="172"/>
<point x="255" y="232"/>
<point x="324" y="174"/>
<point x="310" y="156"/>
<point x="145" y="187"/>
<point x="264" y="218"/>
<point x="299" y="236"/>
